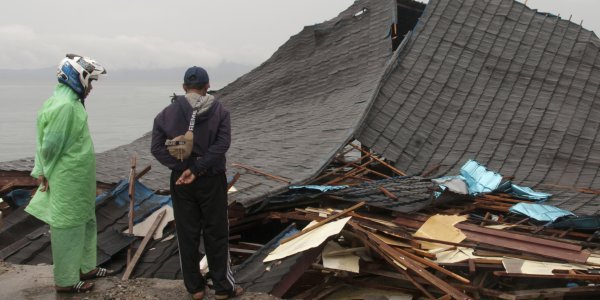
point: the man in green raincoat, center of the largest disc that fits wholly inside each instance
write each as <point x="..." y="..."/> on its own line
<point x="65" y="166"/>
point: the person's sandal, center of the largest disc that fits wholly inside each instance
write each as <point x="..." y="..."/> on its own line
<point x="97" y="273"/>
<point x="237" y="291"/>
<point x="198" y="295"/>
<point x="80" y="287"/>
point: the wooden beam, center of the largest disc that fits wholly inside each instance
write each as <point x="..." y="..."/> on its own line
<point x="332" y="172"/>
<point x="394" y="255"/>
<point x="432" y="265"/>
<point x="358" y="170"/>
<point x="257" y="171"/>
<point x="524" y="243"/>
<point x="296" y="271"/>
<point x="145" y="241"/>
<point x="370" y="171"/>
<point x="379" y="160"/>
<point x="131" y="192"/>
<point x="388" y="193"/>
<point x="7" y="187"/>
<point x="322" y="222"/>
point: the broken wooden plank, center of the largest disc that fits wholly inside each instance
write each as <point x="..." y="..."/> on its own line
<point x="379" y="160"/>
<point x="472" y="266"/>
<point x="6" y="188"/>
<point x="524" y="243"/>
<point x="142" y="246"/>
<point x="303" y="263"/>
<point x="392" y="254"/>
<point x="430" y="264"/>
<point x="257" y="171"/>
<point x="371" y="171"/>
<point x="360" y="169"/>
<point x="519" y="237"/>
<point x="346" y="251"/>
<point x="322" y="222"/>
<point x="388" y="193"/>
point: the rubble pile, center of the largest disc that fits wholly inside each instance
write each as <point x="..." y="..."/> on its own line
<point x="361" y="225"/>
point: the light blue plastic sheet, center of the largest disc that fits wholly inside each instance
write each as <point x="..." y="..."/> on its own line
<point x="524" y="192"/>
<point x="540" y="212"/>
<point x="478" y="178"/>
<point x="322" y="188"/>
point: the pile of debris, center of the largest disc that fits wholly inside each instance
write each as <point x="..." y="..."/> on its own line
<point x="366" y="225"/>
<point x="469" y="236"/>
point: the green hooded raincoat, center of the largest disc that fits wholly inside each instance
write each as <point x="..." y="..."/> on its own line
<point x="65" y="156"/>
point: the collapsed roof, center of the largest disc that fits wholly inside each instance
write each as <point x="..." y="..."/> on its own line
<point x="500" y="83"/>
<point x="489" y="80"/>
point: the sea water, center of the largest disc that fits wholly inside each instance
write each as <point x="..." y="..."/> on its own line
<point x="118" y="112"/>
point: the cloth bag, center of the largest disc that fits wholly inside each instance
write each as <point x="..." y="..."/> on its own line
<point x="181" y="146"/>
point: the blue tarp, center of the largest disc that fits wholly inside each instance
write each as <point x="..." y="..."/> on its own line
<point x="146" y="202"/>
<point x="18" y="197"/>
<point x="540" y="212"/>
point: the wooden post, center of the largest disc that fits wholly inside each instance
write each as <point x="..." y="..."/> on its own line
<point x="388" y="193"/>
<point x="379" y="160"/>
<point x="132" y="180"/>
<point x="143" y="245"/>
<point x="257" y="171"/>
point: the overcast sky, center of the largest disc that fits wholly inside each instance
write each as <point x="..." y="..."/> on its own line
<point x="143" y="34"/>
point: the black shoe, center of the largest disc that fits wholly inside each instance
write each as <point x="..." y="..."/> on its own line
<point x="237" y="291"/>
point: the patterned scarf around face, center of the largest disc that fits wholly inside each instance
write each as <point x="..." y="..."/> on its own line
<point x="200" y="103"/>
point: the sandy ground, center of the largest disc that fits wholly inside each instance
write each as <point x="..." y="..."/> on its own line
<point x="35" y="282"/>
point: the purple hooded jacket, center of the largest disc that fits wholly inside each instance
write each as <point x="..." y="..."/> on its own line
<point x="212" y="137"/>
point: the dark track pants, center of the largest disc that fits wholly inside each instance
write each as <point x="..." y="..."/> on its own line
<point x="202" y="207"/>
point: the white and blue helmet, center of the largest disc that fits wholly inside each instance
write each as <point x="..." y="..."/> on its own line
<point x="77" y="71"/>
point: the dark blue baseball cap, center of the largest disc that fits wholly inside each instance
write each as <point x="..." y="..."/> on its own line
<point x="195" y="76"/>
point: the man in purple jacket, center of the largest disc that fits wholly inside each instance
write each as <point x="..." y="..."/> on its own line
<point x="191" y="137"/>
